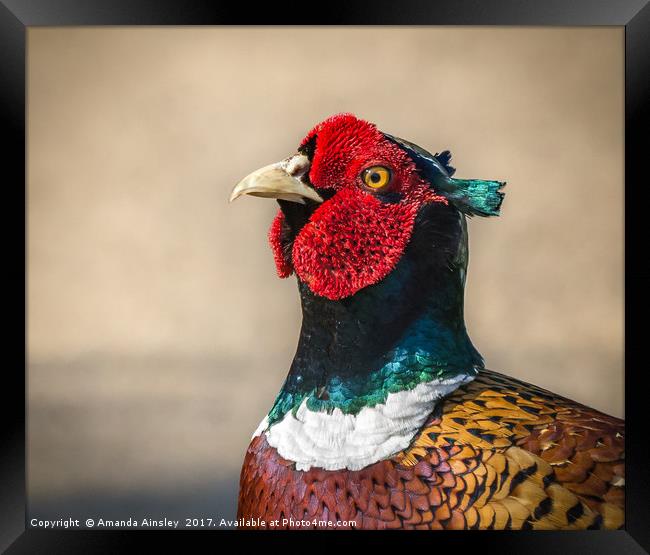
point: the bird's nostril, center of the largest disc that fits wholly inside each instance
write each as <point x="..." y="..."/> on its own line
<point x="297" y="165"/>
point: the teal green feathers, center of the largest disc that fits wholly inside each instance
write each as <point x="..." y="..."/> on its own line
<point x="473" y="197"/>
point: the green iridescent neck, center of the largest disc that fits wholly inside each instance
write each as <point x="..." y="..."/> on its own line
<point x="413" y="362"/>
<point x="390" y="337"/>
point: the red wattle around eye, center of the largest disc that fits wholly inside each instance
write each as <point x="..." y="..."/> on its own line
<point x="352" y="241"/>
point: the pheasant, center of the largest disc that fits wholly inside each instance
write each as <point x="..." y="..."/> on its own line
<point x="387" y="417"/>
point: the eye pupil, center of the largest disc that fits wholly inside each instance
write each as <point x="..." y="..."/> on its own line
<point x="375" y="177"/>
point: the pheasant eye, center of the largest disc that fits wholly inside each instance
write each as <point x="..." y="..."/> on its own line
<point x="376" y="177"/>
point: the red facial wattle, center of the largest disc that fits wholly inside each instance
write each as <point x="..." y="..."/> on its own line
<point x="355" y="238"/>
<point x="352" y="242"/>
<point x="277" y="238"/>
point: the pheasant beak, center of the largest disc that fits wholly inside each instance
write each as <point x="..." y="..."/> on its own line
<point x="283" y="180"/>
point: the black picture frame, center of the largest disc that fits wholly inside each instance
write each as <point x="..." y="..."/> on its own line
<point x="17" y="15"/>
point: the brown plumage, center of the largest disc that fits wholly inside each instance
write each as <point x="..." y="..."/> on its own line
<point x="498" y="453"/>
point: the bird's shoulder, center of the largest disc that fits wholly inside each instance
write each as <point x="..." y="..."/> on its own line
<point x="525" y="457"/>
<point x="499" y="454"/>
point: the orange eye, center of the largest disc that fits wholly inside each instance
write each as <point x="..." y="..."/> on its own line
<point x="376" y="177"/>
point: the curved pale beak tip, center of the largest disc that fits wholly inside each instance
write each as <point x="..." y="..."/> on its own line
<point x="280" y="181"/>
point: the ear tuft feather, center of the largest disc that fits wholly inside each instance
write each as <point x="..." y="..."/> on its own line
<point x="444" y="158"/>
<point x="473" y="197"/>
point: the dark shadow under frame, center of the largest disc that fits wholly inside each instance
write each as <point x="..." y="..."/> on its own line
<point x="17" y="15"/>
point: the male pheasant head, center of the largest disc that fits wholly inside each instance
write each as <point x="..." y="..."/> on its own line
<point x="349" y="202"/>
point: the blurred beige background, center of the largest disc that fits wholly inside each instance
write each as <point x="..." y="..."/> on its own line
<point x="158" y="334"/>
